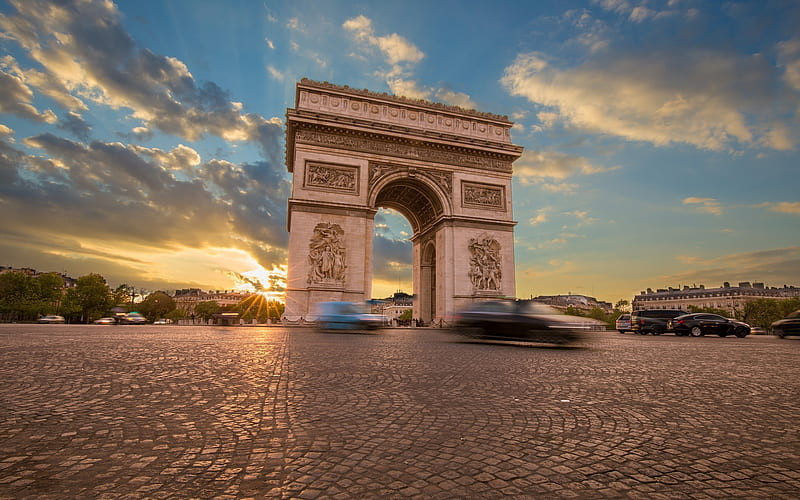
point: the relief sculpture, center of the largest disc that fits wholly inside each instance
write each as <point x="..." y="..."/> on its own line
<point x="326" y="254"/>
<point x="483" y="196"/>
<point x="331" y="177"/>
<point x="484" y="264"/>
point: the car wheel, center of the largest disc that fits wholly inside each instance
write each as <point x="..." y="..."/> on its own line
<point x="696" y="331"/>
<point x="741" y="332"/>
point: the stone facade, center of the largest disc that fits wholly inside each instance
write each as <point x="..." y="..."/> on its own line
<point x="727" y="297"/>
<point x="446" y="169"/>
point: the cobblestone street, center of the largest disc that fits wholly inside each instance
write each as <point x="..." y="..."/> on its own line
<point x="215" y="412"/>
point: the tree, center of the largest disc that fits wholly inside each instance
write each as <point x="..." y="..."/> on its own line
<point x="16" y="293"/>
<point x="623" y="306"/>
<point x="122" y="295"/>
<point x="205" y="310"/>
<point x="763" y="312"/>
<point x="157" y="305"/>
<point x="90" y="298"/>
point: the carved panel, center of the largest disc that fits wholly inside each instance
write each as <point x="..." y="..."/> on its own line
<point x="331" y="177"/>
<point x="390" y="148"/>
<point x="485" y="266"/>
<point x="476" y="195"/>
<point x="326" y="255"/>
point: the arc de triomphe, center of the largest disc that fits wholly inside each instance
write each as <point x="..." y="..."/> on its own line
<point x="446" y="169"/>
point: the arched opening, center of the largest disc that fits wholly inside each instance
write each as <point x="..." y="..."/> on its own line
<point x="392" y="254"/>
<point x="418" y="203"/>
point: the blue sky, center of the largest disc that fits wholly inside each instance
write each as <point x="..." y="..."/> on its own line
<point x="144" y="139"/>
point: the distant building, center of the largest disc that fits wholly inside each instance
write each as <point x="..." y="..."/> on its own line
<point x="580" y="302"/>
<point x="394" y="306"/>
<point x="68" y="281"/>
<point x="187" y="299"/>
<point x="727" y="297"/>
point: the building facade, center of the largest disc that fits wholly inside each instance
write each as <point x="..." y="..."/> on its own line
<point x="187" y="299"/>
<point x="727" y="297"/>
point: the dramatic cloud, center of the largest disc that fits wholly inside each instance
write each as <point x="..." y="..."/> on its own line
<point x="707" y="99"/>
<point x="89" y="54"/>
<point x="99" y="192"/>
<point x="687" y="92"/>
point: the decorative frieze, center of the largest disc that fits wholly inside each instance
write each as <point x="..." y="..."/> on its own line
<point x="326" y="255"/>
<point x="401" y="111"/>
<point x="485" y="266"/>
<point x="400" y="150"/>
<point x="331" y="177"/>
<point x="476" y="195"/>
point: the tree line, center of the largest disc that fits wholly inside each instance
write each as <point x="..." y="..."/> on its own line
<point x="26" y="298"/>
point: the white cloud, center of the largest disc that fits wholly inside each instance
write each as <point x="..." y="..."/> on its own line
<point x="709" y="99"/>
<point x="707" y="205"/>
<point x="534" y="165"/>
<point x="274" y="72"/>
<point x="784" y="207"/>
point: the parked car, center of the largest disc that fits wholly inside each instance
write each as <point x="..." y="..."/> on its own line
<point x="520" y="320"/>
<point x="788" y="326"/>
<point x="132" y="318"/>
<point x="623" y="323"/>
<point x="162" y="321"/>
<point x="698" y="324"/>
<point x="348" y="316"/>
<point x="105" y="321"/>
<point x="653" y="320"/>
<point x="50" y="319"/>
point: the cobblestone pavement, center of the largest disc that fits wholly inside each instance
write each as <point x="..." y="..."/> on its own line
<point x="194" y="412"/>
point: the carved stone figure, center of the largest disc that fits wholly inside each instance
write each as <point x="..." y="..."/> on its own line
<point x="485" y="269"/>
<point x="326" y="254"/>
<point x="483" y="196"/>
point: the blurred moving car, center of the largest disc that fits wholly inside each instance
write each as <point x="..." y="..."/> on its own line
<point x="653" y="320"/>
<point x="699" y="324"/>
<point x="132" y="318"/>
<point x="105" y="321"/>
<point x="348" y="316"/>
<point x="520" y="320"/>
<point x="50" y="319"/>
<point x="788" y="326"/>
<point x="623" y="323"/>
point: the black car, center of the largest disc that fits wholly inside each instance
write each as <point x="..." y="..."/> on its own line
<point x="698" y="324"/>
<point x="788" y="326"/>
<point x="653" y="320"/>
<point x="520" y="320"/>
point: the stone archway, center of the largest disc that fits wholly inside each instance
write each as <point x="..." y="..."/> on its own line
<point x="446" y="169"/>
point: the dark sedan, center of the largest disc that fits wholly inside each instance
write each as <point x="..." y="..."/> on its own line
<point x="788" y="326"/>
<point x="698" y="324"/>
<point x="520" y="320"/>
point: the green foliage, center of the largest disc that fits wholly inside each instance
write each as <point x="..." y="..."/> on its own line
<point x="405" y="315"/>
<point x="204" y="310"/>
<point x="90" y="299"/>
<point x="156" y="306"/>
<point x="122" y="295"/>
<point x="763" y="312"/>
